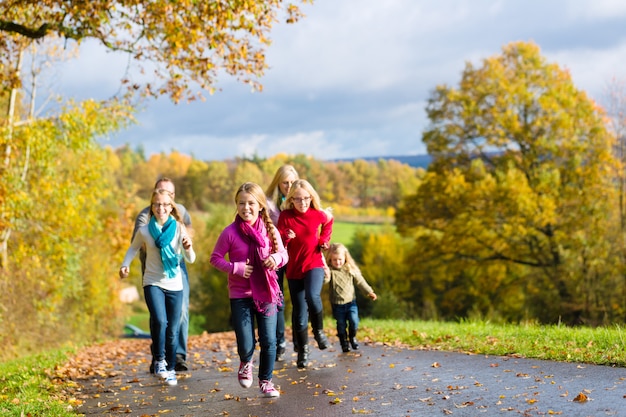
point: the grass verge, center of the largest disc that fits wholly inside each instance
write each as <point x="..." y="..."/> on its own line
<point x="599" y="346"/>
<point x="31" y="386"/>
<point x="28" y="389"/>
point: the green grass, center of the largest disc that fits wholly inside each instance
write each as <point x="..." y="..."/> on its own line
<point x="343" y="232"/>
<point x="140" y="319"/>
<point x="26" y="389"/>
<point x="600" y="346"/>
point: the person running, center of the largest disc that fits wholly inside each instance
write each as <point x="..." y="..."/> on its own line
<point x="306" y="229"/>
<point x="276" y="193"/>
<point x="142" y="219"/>
<point x="254" y="251"/>
<point x="344" y="277"/>
<point x="166" y="241"/>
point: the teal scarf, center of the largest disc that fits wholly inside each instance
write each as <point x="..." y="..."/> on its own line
<point x="163" y="239"/>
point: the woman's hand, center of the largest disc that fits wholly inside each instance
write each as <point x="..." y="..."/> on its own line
<point x="187" y="242"/>
<point x="124" y="272"/>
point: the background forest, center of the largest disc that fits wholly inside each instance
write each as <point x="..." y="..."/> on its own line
<point x="519" y="216"/>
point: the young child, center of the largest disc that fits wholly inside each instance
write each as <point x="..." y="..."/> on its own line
<point x="344" y="275"/>
<point x="250" y="251"/>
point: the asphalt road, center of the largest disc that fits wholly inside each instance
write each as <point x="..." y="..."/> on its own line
<point x="377" y="380"/>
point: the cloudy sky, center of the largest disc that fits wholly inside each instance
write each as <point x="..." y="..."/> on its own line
<point x="352" y="78"/>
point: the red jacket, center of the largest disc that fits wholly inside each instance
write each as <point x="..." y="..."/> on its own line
<point x="313" y="229"/>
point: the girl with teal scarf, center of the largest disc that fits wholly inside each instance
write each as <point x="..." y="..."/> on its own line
<point x="166" y="240"/>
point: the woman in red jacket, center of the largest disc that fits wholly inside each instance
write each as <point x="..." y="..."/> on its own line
<point x="305" y="229"/>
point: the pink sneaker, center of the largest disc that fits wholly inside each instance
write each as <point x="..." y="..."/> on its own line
<point x="245" y="374"/>
<point x="268" y="390"/>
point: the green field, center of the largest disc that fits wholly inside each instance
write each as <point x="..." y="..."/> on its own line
<point x="343" y="232"/>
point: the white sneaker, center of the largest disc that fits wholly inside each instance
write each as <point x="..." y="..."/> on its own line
<point x="170" y="379"/>
<point x="160" y="369"/>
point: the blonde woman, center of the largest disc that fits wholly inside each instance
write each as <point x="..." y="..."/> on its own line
<point x="276" y="194"/>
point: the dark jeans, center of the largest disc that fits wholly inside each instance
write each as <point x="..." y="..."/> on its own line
<point x="306" y="298"/>
<point x="181" y="346"/>
<point x="164" y="307"/>
<point x="280" y="316"/>
<point x="243" y="315"/>
<point x="183" y="331"/>
<point x="347" y="317"/>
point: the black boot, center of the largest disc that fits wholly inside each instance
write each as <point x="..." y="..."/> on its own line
<point x="353" y="341"/>
<point x="317" y="322"/>
<point x="302" y="338"/>
<point x="281" y="349"/>
<point x="343" y="339"/>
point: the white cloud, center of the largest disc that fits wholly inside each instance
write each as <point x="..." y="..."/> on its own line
<point x="353" y="77"/>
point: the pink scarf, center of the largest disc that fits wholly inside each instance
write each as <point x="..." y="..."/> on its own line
<point x="263" y="282"/>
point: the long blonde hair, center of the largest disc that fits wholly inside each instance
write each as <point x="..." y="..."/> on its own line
<point x="273" y="190"/>
<point x="305" y="185"/>
<point x="341" y="249"/>
<point x="256" y="191"/>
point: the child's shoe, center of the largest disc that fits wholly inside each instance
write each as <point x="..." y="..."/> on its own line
<point x="343" y="340"/>
<point x="245" y="374"/>
<point x="268" y="390"/>
<point x="160" y="369"/>
<point x="170" y="379"/>
<point x="281" y="349"/>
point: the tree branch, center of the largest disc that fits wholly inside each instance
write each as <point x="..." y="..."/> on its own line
<point x="25" y="31"/>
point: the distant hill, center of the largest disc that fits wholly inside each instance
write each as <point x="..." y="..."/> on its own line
<point x="416" y="161"/>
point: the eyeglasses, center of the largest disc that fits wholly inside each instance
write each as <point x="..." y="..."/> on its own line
<point x="301" y="200"/>
<point x="159" y="205"/>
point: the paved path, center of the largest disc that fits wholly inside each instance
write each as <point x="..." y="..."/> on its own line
<point x="378" y="380"/>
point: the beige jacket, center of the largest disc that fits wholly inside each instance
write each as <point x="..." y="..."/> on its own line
<point x="342" y="286"/>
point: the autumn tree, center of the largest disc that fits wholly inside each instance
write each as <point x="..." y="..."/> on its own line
<point x="182" y="43"/>
<point x="65" y="227"/>
<point x="379" y="256"/>
<point x="519" y="193"/>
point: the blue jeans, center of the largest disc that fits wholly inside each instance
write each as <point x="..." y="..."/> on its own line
<point x="280" y="316"/>
<point x="243" y="315"/>
<point x="181" y="346"/>
<point x="306" y="298"/>
<point x="164" y="307"/>
<point x="347" y="317"/>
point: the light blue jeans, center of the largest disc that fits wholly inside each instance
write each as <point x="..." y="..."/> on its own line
<point x="165" y="309"/>
<point x="244" y="314"/>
